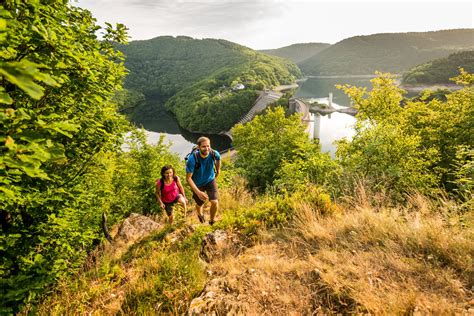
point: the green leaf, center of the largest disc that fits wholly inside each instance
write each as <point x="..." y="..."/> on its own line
<point x="22" y="75"/>
<point x="5" y="97"/>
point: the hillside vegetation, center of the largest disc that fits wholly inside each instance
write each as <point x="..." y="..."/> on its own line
<point x="162" y="66"/>
<point x="368" y="232"/>
<point x="391" y="52"/>
<point x="196" y="79"/>
<point x="385" y="227"/>
<point x="440" y="70"/>
<point x="297" y="52"/>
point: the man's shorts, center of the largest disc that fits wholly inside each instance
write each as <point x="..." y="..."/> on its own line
<point x="169" y="206"/>
<point x="211" y="190"/>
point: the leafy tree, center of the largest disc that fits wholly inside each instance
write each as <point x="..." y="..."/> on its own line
<point x="136" y="172"/>
<point x="410" y="147"/>
<point x="57" y="118"/>
<point x="274" y="149"/>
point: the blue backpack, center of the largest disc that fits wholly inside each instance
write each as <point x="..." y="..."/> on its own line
<point x="195" y="151"/>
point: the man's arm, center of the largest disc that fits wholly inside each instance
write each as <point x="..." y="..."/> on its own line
<point x="218" y="168"/>
<point x="201" y="195"/>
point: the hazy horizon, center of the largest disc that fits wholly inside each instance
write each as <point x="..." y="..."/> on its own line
<point x="164" y="35"/>
<point x="269" y="24"/>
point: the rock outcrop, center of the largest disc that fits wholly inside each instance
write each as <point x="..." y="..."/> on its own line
<point x="218" y="244"/>
<point x="136" y="226"/>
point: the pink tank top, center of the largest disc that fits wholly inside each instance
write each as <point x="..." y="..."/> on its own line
<point x="169" y="192"/>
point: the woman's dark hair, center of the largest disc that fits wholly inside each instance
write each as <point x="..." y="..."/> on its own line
<point x="164" y="169"/>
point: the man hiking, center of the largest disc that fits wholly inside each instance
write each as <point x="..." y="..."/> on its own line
<point x="201" y="176"/>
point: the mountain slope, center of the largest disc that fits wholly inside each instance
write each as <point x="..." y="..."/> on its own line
<point x="440" y="70"/>
<point x="197" y="78"/>
<point x="297" y="52"/>
<point x="394" y="52"/>
<point x="163" y="65"/>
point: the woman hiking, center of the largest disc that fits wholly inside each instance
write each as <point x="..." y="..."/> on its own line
<point x="169" y="191"/>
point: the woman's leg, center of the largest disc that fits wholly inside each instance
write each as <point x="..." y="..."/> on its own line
<point x="183" y="203"/>
<point x="169" y="212"/>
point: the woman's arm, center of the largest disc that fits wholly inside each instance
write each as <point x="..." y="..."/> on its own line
<point x="180" y="186"/>
<point x="158" y="194"/>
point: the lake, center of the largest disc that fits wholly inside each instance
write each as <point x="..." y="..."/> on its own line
<point x="332" y="127"/>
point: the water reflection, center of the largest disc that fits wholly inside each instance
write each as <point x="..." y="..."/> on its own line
<point x="332" y="127"/>
<point x="163" y="122"/>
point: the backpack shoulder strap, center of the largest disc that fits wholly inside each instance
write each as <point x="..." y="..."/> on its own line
<point x="197" y="163"/>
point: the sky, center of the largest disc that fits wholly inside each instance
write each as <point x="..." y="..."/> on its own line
<point x="263" y="24"/>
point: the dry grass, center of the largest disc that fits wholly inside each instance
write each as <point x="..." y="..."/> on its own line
<point x="235" y="196"/>
<point x="393" y="260"/>
<point x="379" y="260"/>
<point x="264" y="281"/>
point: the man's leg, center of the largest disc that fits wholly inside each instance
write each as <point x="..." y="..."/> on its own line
<point x="199" y="213"/>
<point x="199" y="204"/>
<point x="213" y="197"/>
<point x="214" y="207"/>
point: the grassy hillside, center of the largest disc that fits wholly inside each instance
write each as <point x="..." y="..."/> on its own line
<point x="390" y="52"/>
<point x="377" y="260"/>
<point x="199" y="77"/>
<point x="440" y="70"/>
<point x="297" y="52"/>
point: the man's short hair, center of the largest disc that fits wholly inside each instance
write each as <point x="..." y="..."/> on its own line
<point x="202" y="139"/>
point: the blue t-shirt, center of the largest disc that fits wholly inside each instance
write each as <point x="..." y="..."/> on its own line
<point x="205" y="173"/>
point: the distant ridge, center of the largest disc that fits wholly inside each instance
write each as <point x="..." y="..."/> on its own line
<point x="297" y="52"/>
<point x="392" y="52"/>
<point x="440" y="70"/>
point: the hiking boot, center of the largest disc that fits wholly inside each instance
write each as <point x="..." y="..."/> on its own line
<point x="201" y="218"/>
<point x="211" y="222"/>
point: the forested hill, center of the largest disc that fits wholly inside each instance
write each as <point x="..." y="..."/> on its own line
<point x="197" y="78"/>
<point x="392" y="52"/>
<point x="297" y="52"/>
<point x="164" y="65"/>
<point x="440" y="70"/>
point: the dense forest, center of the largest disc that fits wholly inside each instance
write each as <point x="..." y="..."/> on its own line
<point x="199" y="76"/>
<point x="393" y="52"/>
<point x="440" y="70"/>
<point x="297" y="52"/>
<point x="213" y="105"/>
<point x="162" y="66"/>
